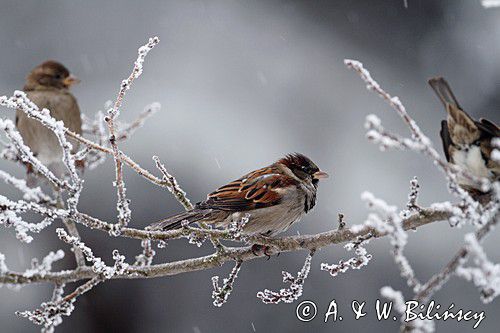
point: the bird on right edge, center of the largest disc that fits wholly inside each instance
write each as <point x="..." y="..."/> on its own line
<point x="466" y="142"/>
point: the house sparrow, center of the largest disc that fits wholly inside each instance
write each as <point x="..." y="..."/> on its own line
<point x="47" y="85"/>
<point x="466" y="142"/>
<point x="275" y="197"/>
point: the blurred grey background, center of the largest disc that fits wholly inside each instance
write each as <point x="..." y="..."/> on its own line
<point x="241" y="83"/>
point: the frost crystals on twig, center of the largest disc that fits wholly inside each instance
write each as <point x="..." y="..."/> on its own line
<point x="172" y="185"/>
<point x="236" y="227"/>
<point x="45" y="266"/>
<point x="486" y="275"/>
<point x="417" y="325"/>
<point x="361" y="259"/>
<point x="146" y="257"/>
<point x="34" y="194"/>
<point x="292" y="293"/>
<point x="124" y="213"/>
<point x="50" y="313"/>
<point x="386" y="219"/>
<point x="221" y="294"/>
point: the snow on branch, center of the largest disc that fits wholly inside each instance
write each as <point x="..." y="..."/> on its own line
<point x="25" y="154"/>
<point x="417" y="325"/>
<point x="125" y="131"/>
<point x="221" y="294"/>
<point x="34" y="194"/>
<point x="486" y="275"/>
<point x="45" y="266"/>
<point x="50" y="313"/>
<point x="412" y="205"/>
<point x="277" y="245"/>
<point x="98" y="265"/>
<point x="9" y="217"/>
<point x="147" y="255"/>
<point x="294" y="291"/>
<point x="386" y="219"/>
<point x="124" y="212"/>
<point x="361" y="259"/>
<point x="172" y="185"/>
<point x="3" y="267"/>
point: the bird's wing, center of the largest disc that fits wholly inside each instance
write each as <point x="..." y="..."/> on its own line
<point x="463" y="129"/>
<point x="258" y="189"/>
<point x="488" y="127"/>
<point x="446" y="139"/>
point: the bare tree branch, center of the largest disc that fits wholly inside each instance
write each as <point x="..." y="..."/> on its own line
<point x="278" y="245"/>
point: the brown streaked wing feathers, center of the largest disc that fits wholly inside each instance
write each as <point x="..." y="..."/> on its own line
<point x="462" y="127"/>
<point x="252" y="191"/>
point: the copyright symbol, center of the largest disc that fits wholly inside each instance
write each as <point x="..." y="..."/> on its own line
<point x="306" y="311"/>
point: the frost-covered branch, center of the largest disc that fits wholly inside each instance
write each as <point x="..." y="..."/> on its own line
<point x="125" y="131"/>
<point x="124" y="213"/>
<point x="10" y="217"/>
<point x="386" y="219"/>
<point x="50" y="313"/>
<point x="172" y="185"/>
<point x="417" y="325"/>
<point x="361" y="259"/>
<point x="294" y="291"/>
<point x="277" y="245"/>
<point x="34" y="194"/>
<point x="221" y="294"/>
<point x="486" y="275"/>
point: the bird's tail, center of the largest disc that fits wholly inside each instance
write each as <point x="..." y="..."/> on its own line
<point x="175" y="222"/>
<point x="462" y="127"/>
<point x="443" y="91"/>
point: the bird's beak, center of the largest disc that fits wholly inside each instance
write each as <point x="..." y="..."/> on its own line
<point x="70" y="80"/>
<point x="320" y="175"/>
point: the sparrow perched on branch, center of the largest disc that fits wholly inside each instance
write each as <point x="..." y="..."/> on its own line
<point x="466" y="142"/>
<point x="47" y="85"/>
<point x="275" y="197"/>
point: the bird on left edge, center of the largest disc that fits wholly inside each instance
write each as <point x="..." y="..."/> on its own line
<point x="47" y="85"/>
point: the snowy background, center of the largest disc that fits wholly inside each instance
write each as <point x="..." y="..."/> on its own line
<point x="241" y="83"/>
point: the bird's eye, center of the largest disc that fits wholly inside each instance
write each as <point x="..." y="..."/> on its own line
<point x="58" y="76"/>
